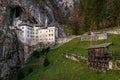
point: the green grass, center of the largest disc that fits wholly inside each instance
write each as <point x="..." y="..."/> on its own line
<point x="32" y="59"/>
<point x="24" y="72"/>
<point x="61" y="68"/>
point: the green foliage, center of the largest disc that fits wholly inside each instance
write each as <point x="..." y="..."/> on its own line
<point x="37" y="53"/>
<point x="20" y="75"/>
<point x="1" y="32"/>
<point x="47" y="49"/>
<point x="46" y="62"/>
<point x="93" y="15"/>
<point x="33" y="59"/>
<point x="100" y="13"/>
<point x="30" y="70"/>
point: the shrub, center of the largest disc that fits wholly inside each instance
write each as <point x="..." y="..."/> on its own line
<point x="36" y="54"/>
<point x="20" y="75"/>
<point x="30" y="70"/>
<point x="43" y="51"/>
<point x="47" y="49"/>
<point x="46" y="62"/>
<point x="1" y="32"/>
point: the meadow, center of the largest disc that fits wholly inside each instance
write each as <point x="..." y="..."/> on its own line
<point x="61" y="68"/>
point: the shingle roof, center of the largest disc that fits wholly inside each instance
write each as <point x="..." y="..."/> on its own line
<point x="100" y="45"/>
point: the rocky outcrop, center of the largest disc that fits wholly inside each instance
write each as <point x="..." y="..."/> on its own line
<point x="13" y="53"/>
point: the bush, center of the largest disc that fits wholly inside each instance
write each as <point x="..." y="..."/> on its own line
<point x="43" y="51"/>
<point x="1" y="32"/>
<point x="47" y="49"/>
<point x="36" y="54"/>
<point x="46" y="62"/>
<point x="30" y="70"/>
<point x="23" y="73"/>
<point x="20" y="75"/>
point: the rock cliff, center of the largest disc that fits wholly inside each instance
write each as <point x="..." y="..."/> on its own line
<point x="13" y="54"/>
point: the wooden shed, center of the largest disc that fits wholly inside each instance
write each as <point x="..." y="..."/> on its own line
<point x="99" y="57"/>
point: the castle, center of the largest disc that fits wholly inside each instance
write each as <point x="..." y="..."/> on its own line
<point x="34" y="34"/>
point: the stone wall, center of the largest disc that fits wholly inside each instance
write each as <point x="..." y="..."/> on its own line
<point x="114" y="65"/>
<point x="76" y="58"/>
<point x="117" y="31"/>
<point x="95" y="37"/>
<point x="65" y="39"/>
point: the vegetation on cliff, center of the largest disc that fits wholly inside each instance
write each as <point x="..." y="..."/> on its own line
<point x="91" y="15"/>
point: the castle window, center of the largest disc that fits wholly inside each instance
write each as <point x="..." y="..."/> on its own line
<point x="51" y="34"/>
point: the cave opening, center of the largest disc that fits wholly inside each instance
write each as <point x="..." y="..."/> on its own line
<point x="17" y="11"/>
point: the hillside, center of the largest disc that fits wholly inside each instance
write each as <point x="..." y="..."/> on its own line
<point x="61" y="68"/>
<point x="92" y="15"/>
<point x="72" y="17"/>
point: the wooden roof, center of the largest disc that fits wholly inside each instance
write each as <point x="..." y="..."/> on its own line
<point x="100" y="46"/>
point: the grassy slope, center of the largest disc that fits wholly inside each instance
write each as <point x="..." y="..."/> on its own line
<point x="61" y="68"/>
